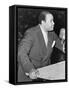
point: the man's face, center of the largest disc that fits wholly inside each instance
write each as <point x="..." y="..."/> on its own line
<point x="48" y="23"/>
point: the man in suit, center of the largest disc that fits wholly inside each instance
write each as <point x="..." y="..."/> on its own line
<point x="35" y="49"/>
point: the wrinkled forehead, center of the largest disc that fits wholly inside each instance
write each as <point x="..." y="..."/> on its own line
<point x="49" y="16"/>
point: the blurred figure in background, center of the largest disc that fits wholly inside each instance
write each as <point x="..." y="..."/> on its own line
<point x="62" y="37"/>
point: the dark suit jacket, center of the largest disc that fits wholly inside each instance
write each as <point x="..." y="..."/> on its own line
<point x="32" y="51"/>
<point x="57" y="56"/>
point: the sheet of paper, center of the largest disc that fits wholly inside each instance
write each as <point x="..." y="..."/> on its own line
<point x="53" y="72"/>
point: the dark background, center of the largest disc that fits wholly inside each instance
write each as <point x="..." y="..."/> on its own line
<point x="28" y="17"/>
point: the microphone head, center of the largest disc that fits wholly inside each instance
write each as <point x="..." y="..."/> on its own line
<point x="62" y="33"/>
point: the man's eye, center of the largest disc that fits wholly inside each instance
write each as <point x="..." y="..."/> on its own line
<point x="51" y="20"/>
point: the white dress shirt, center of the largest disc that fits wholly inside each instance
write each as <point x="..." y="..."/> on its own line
<point x="45" y="35"/>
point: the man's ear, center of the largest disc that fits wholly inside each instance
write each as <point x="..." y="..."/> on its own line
<point x="42" y="22"/>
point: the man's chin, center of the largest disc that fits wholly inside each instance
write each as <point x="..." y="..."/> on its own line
<point x="51" y="29"/>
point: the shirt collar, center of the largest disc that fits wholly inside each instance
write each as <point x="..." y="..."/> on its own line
<point x="43" y="31"/>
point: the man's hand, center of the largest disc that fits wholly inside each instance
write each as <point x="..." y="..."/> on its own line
<point x="33" y="74"/>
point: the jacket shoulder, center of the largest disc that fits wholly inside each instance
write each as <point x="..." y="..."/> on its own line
<point x="32" y="31"/>
<point x="55" y="36"/>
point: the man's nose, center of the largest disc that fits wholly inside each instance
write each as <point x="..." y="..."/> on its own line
<point x="53" y="23"/>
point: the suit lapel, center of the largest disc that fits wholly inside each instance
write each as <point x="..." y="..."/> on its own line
<point x="50" y="40"/>
<point x="44" y="49"/>
<point x="41" y="42"/>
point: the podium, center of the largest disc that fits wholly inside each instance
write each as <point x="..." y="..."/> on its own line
<point x="53" y="72"/>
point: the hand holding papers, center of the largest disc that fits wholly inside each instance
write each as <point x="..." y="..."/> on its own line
<point x="33" y="74"/>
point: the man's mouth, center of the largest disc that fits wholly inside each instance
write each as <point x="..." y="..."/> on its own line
<point x="52" y="26"/>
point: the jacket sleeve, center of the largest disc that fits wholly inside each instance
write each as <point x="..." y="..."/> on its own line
<point x="23" y="51"/>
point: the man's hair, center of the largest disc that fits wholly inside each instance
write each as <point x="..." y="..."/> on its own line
<point x="42" y="16"/>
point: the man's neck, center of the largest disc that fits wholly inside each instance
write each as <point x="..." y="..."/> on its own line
<point x="45" y="35"/>
<point x="42" y="28"/>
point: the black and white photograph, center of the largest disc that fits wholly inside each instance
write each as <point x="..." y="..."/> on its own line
<point x="37" y="44"/>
